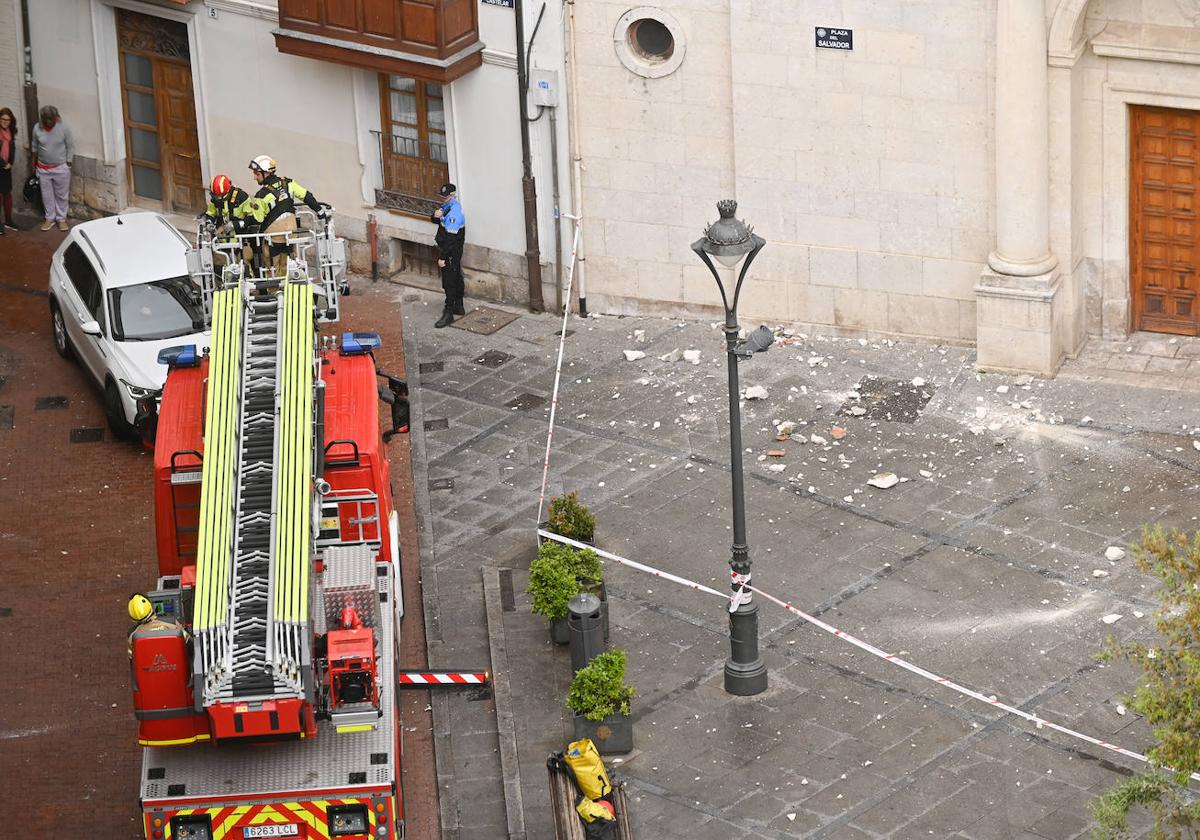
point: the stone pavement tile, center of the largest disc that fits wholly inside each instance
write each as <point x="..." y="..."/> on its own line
<point x="909" y="798"/>
<point x="845" y="794"/>
<point x="1171" y="367"/>
<point x="1163" y="347"/>
<point x="1131" y="362"/>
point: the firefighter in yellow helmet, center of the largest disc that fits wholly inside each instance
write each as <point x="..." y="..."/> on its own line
<point x="147" y="622"/>
<point x="273" y="208"/>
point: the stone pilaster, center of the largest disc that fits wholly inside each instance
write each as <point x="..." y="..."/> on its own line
<point x="1019" y="325"/>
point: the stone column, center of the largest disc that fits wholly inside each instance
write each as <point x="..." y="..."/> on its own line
<point x="1015" y="298"/>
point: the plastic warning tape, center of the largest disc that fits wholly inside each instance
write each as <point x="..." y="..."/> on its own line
<point x="562" y="343"/>
<point x="991" y="700"/>
<point x="427" y="679"/>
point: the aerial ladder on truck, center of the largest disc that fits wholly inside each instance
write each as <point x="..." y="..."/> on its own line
<point x="264" y="677"/>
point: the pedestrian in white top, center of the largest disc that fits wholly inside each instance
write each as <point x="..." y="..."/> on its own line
<point x="53" y="154"/>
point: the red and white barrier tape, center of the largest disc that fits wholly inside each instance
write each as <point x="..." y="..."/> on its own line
<point x="991" y="701"/>
<point x="421" y="679"/>
<point x="562" y="343"/>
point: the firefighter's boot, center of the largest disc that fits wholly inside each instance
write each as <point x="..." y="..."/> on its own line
<point x="447" y="318"/>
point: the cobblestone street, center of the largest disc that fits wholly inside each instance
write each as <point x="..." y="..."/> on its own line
<point x="986" y="564"/>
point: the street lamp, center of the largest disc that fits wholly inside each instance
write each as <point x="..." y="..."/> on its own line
<point x="731" y="242"/>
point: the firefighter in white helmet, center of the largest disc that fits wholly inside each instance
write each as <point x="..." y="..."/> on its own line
<point x="272" y="209"/>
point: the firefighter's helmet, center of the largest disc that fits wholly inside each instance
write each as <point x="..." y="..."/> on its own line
<point x="140" y="608"/>
<point x="263" y="164"/>
<point x="221" y="186"/>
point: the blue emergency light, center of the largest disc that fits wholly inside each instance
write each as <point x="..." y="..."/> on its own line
<point x="183" y="355"/>
<point x="358" y="343"/>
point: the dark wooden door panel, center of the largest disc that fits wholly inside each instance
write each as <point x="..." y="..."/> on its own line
<point x="342" y="14"/>
<point x="300" y="11"/>
<point x="1163" y="224"/>
<point x="181" y="141"/>
<point x="379" y="19"/>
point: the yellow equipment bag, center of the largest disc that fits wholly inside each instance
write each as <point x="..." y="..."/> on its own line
<point x="590" y="810"/>
<point x="584" y="760"/>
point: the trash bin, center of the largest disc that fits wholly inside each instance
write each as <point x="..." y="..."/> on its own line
<point x="586" y="629"/>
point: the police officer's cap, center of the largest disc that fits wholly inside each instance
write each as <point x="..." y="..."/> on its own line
<point x="447" y="189"/>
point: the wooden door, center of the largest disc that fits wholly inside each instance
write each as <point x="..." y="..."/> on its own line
<point x="1163" y="226"/>
<point x="161" y="140"/>
<point x="414" y="140"/>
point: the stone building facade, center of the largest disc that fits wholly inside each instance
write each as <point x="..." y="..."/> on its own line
<point x="966" y="171"/>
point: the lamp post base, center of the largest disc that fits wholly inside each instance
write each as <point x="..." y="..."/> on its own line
<point x="745" y="679"/>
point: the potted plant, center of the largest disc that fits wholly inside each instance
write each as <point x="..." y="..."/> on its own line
<point x="600" y="699"/>
<point x="570" y="519"/>
<point x="552" y="583"/>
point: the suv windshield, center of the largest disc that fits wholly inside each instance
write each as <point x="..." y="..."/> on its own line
<point x="151" y="311"/>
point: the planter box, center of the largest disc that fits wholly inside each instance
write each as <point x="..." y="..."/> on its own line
<point x="613" y="735"/>
<point x="560" y="634"/>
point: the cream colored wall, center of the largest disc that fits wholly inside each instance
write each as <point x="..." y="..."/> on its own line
<point x="868" y="172"/>
<point x="12" y="66"/>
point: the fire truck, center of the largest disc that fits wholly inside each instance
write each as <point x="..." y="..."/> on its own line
<point x="264" y="679"/>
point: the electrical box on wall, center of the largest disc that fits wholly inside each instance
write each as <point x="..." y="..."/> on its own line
<point x="543" y="87"/>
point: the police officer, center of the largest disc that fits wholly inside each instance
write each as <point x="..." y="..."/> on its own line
<point x="273" y="208"/>
<point x="226" y="210"/>
<point x="451" y="234"/>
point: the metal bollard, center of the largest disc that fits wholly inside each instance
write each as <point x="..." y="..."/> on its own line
<point x="585" y="628"/>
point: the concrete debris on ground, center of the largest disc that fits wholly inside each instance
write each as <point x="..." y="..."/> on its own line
<point x="673" y="356"/>
<point x="692" y="356"/>
<point x="1114" y="552"/>
<point x="884" y="480"/>
<point x="633" y="355"/>
<point x="756" y="392"/>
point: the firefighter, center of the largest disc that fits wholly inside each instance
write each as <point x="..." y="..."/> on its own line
<point x="273" y="209"/>
<point x="451" y="234"/>
<point x="147" y="622"/>
<point x="226" y="211"/>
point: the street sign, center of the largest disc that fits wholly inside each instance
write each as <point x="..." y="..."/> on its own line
<point x="832" y="39"/>
<point x="507" y="4"/>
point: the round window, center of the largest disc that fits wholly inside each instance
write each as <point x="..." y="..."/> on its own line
<point x="651" y="39"/>
<point x="649" y="42"/>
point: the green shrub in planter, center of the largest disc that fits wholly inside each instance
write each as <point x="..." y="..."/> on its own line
<point x="599" y="690"/>
<point x="569" y="518"/>
<point x="585" y="565"/>
<point x="552" y="582"/>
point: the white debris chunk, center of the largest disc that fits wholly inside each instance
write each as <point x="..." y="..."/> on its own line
<point x="1001" y="389"/>
<point x="656" y="424"/>
<point x="884" y="480"/>
<point x="857" y="410"/>
<point x="776" y="467"/>
<point x="1120" y="709"/>
<point x="1023" y="380"/>
<point x="634" y="355"/>
<point x="1085" y="420"/>
<point x="639" y="336"/>
<point x="756" y="392"/>
<point x="1099" y="573"/>
<point x="1114" y="553"/>
<point x="1112" y="618"/>
<point x="926" y="474"/>
<point x="980" y="411"/>
<point x="692" y="399"/>
<point x="818" y="440"/>
<point x="1196" y="444"/>
<point x="785" y="428"/>
<point x="813" y="361"/>
<point x="673" y="356"/>
<point x="692" y="356"/>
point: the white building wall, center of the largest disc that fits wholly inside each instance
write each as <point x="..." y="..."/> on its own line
<point x="315" y="118"/>
<point x="12" y="68"/>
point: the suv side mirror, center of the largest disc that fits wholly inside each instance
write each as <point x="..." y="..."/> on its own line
<point x="90" y="327"/>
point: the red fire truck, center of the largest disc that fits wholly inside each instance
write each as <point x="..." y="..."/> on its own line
<point x="264" y="679"/>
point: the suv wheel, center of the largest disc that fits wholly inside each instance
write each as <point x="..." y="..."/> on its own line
<point x="114" y="412"/>
<point x="62" y="342"/>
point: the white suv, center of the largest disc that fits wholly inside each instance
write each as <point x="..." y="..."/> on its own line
<point x="120" y="293"/>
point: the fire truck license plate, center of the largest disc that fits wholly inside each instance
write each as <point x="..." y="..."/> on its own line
<point x="289" y="830"/>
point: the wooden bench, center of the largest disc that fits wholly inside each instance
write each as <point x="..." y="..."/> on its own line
<point x="564" y="795"/>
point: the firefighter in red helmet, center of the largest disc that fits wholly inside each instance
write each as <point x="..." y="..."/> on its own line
<point x="225" y="208"/>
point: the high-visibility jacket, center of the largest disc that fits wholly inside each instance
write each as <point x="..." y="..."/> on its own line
<point x="227" y="209"/>
<point x="275" y="197"/>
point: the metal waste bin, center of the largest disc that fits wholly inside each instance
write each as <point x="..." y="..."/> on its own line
<point x="585" y="628"/>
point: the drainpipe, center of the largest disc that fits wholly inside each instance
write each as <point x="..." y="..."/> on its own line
<point x="528" y="185"/>
<point x="558" y="273"/>
<point x="30" y="91"/>
<point x="580" y="270"/>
